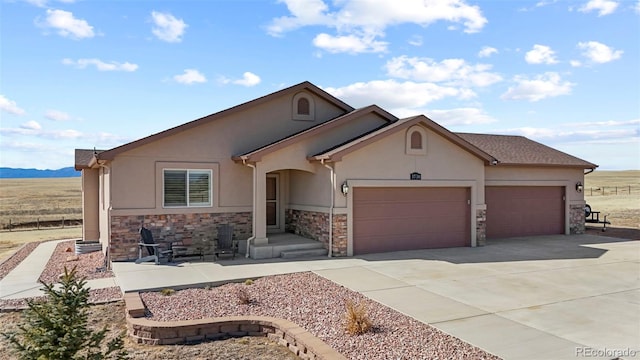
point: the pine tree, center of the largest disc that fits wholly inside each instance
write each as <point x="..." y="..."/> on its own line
<point x="56" y="328"/>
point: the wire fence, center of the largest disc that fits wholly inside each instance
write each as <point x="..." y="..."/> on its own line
<point x="612" y="190"/>
<point x="40" y="224"/>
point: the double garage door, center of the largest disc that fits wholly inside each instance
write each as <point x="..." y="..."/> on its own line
<point x="524" y="211"/>
<point x="405" y="218"/>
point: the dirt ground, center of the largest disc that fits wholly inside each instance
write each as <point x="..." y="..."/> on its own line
<point x="113" y="316"/>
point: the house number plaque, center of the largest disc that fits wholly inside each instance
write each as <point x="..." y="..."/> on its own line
<point x="415" y="176"/>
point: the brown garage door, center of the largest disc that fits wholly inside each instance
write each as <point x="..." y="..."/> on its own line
<point x="524" y="211"/>
<point x="392" y="219"/>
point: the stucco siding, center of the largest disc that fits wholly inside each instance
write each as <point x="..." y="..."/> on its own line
<point x="310" y="189"/>
<point x="90" y="205"/>
<point x="387" y="160"/>
<point x="137" y="177"/>
<point x="531" y="176"/>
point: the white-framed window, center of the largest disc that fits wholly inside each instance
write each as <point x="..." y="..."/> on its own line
<point x="416" y="141"/>
<point x="303" y="107"/>
<point x="186" y="188"/>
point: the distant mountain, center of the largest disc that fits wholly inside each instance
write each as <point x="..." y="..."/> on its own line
<point x="11" y="173"/>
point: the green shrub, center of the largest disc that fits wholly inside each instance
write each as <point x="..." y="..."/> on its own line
<point x="56" y="328"/>
<point x="248" y="282"/>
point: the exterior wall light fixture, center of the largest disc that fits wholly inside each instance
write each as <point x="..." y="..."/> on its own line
<point x="579" y="187"/>
<point x="345" y="188"/>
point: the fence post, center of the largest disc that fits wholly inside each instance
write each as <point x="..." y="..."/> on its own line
<point x="63" y="222"/>
<point x="629" y="189"/>
<point x="603" y="191"/>
<point x="38" y="223"/>
<point x="616" y="190"/>
<point x="9" y="225"/>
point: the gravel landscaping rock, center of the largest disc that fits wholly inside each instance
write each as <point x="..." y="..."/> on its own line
<point x="317" y="305"/>
<point x="89" y="266"/>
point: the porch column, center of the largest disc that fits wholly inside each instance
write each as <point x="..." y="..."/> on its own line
<point x="261" y="206"/>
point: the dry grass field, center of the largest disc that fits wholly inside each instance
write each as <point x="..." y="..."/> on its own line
<point x="623" y="208"/>
<point x="27" y="200"/>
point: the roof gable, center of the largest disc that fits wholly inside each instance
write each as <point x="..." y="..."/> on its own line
<point x="518" y="150"/>
<point x="338" y="152"/>
<point x="257" y="154"/>
<point x="112" y="153"/>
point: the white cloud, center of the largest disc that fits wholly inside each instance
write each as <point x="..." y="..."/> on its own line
<point x="167" y="27"/>
<point x="190" y="76"/>
<point x="449" y="71"/>
<point x="67" y="25"/>
<point x="391" y="94"/>
<point x="598" y="52"/>
<point x="101" y="65"/>
<point x="10" y="106"/>
<point x="540" y="54"/>
<point x="359" y="22"/>
<point x="57" y="115"/>
<point x="587" y="136"/>
<point x="31" y="125"/>
<point x="352" y="44"/>
<point x="604" y="7"/>
<point x="248" y="79"/>
<point x="460" y="116"/>
<point x="542" y="86"/>
<point x="415" y="40"/>
<point x="575" y="63"/>
<point x="487" y="51"/>
<point x="636" y="7"/>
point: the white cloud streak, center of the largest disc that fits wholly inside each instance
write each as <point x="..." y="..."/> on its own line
<point x="360" y="23"/>
<point x="101" y="65"/>
<point x="487" y="51"/>
<point x="448" y="71"/>
<point x="67" y="25"/>
<point x="248" y="79"/>
<point x="603" y="7"/>
<point x="599" y="52"/>
<point x="57" y="115"/>
<point x="167" y="27"/>
<point x="190" y="76"/>
<point x="10" y="106"/>
<point x="540" y="54"/>
<point x="540" y="87"/>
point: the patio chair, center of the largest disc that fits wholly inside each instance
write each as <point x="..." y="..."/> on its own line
<point x="153" y="248"/>
<point x="225" y="244"/>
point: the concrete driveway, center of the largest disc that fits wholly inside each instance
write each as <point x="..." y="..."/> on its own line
<point x="552" y="297"/>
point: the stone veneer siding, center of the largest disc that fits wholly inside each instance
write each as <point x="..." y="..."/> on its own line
<point x="315" y="225"/>
<point x="576" y="219"/>
<point x="481" y="227"/>
<point x="168" y="228"/>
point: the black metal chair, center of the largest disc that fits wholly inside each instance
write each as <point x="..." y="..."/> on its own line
<point x="225" y="244"/>
<point x="153" y="248"/>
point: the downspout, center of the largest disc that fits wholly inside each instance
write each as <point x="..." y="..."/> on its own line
<point x="333" y="193"/>
<point x="253" y="216"/>
<point x="102" y="165"/>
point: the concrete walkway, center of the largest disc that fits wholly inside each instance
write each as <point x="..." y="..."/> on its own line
<point x="554" y="297"/>
<point x="22" y="281"/>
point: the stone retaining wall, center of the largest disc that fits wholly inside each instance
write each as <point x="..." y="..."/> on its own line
<point x="481" y="227"/>
<point x="168" y="228"/>
<point x="284" y="332"/>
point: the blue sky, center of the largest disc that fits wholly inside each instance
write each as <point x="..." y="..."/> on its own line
<point x="85" y="74"/>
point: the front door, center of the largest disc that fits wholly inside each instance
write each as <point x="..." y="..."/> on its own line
<point x="273" y="221"/>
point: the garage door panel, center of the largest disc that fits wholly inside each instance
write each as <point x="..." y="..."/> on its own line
<point x="392" y="219"/>
<point x="514" y="211"/>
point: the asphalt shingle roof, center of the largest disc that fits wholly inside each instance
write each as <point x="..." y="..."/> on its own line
<point x="518" y="150"/>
